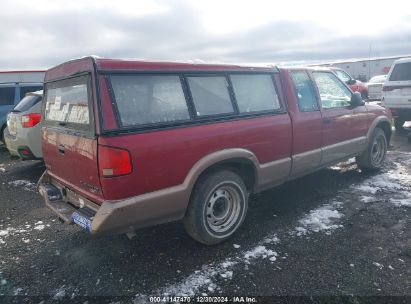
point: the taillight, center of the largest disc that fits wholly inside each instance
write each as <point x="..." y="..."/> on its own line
<point x="30" y="120"/>
<point x="113" y="161"/>
<point x="388" y="88"/>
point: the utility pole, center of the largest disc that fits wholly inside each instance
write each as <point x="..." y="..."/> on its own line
<point x="369" y="63"/>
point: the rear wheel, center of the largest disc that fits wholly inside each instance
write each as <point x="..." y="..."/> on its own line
<point x="217" y="208"/>
<point x="373" y="158"/>
<point x="399" y="123"/>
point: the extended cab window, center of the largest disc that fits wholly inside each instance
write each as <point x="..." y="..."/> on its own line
<point x="304" y="90"/>
<point x="255" y="93"/>
<point x="210" y="95"/>
<point x="145" y="99"/>
<point x="333" y="93"/>
<point x="67" y="103"/>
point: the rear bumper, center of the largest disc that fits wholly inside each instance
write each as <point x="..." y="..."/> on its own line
<point x="113" y="217"/>
<point x="29" y="141"/>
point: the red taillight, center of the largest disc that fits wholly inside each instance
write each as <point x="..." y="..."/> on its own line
<point x="113" y="161"/>
<point x="30" y="120"/>
<point x="388" y="88"/>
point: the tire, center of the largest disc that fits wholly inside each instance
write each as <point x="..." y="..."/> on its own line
<point x="217" y="207"/>
<point x="399" y="123"/>
<point x="373" y="158"/>
<point x="2" y="134"/>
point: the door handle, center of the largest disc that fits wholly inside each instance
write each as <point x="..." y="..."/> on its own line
<point x="326" y="120"/>
<point x="61" y="149"/>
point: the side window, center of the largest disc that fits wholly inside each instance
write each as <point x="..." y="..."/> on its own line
<point x="304" y="90"/>
<point x="143" y="100"/>
<point x="255" y="93"/>
<point x="67" y="102"/>
<point x="333" y="93"/>
<point x="210" y="95"/>
<point x="7" y="95"/>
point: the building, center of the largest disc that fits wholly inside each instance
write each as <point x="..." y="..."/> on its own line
<point x="364" y="69"/>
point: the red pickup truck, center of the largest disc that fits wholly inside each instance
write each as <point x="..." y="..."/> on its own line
<point x="129" y="144"/>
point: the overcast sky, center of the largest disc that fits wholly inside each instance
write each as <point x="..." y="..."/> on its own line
<point x="43" y="33"/>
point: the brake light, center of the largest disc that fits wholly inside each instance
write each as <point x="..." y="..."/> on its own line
<point x="113" y="161"/>
<point x="30" y="120"/>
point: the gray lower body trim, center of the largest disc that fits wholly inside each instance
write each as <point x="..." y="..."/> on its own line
<point x="305" y="161"/>
<point x="273" y="173"/>
<point x="343" y="149"/>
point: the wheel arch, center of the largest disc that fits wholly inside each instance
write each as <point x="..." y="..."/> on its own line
<point x="383" y="123"/>
<point x="241" y="161"/>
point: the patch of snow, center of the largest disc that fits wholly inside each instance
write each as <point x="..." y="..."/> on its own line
<point x="17" y="291"/>
<point x="401" y="202"/>
<point x="259" y="252"/>
<point x="60" y="294"/>
<point x="367" y="188"/>
<point x="367" y="199"/>
<point x="236" y="246"/>
<point x="390" y="267"/>
<point x="206" y="278"/>
<point x="39" y="227"/>
<point x="27" y="185"/>
<point x="4" y="232"/>
<point x="320" y="219"/>
<point x="380" y="266"/>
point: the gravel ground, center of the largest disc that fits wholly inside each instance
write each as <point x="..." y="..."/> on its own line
<point x="338" y="233"/>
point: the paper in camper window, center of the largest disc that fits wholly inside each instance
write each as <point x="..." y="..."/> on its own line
<point x="68" y="104"/>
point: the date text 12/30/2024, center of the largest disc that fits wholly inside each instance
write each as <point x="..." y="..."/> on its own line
<point x="203" y="299"/>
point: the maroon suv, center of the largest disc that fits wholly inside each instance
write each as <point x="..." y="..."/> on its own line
<point x="129" y="144"/>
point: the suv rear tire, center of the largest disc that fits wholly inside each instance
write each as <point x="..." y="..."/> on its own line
<point x="373" y="157"/>
<point x="2" y="130"/>
<point x="399" y="123"/>
<point x="217" y="207"/>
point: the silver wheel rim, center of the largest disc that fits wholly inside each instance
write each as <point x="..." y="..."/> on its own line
<point x="223" y="208"/>
<point x="378" y="151"/>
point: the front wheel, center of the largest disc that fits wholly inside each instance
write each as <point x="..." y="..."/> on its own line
<point x="373" y="158"/>
<point x="217" y="208"/>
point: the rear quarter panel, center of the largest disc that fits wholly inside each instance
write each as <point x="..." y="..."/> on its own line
<point x="163" y="159"/>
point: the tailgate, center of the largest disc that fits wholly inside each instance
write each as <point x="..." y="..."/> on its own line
<point x="68" y="139"/>
<point x="398" y="97"/>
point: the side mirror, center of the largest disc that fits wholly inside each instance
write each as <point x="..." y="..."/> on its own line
<point x="351" y="81"/>
<point x="356" y="100"/>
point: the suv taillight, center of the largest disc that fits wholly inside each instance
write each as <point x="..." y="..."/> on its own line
<point x="113" y="161"/>
<point x="30" y="120"/>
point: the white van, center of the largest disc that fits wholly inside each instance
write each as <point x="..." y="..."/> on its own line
<point x="397" y="91"/>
